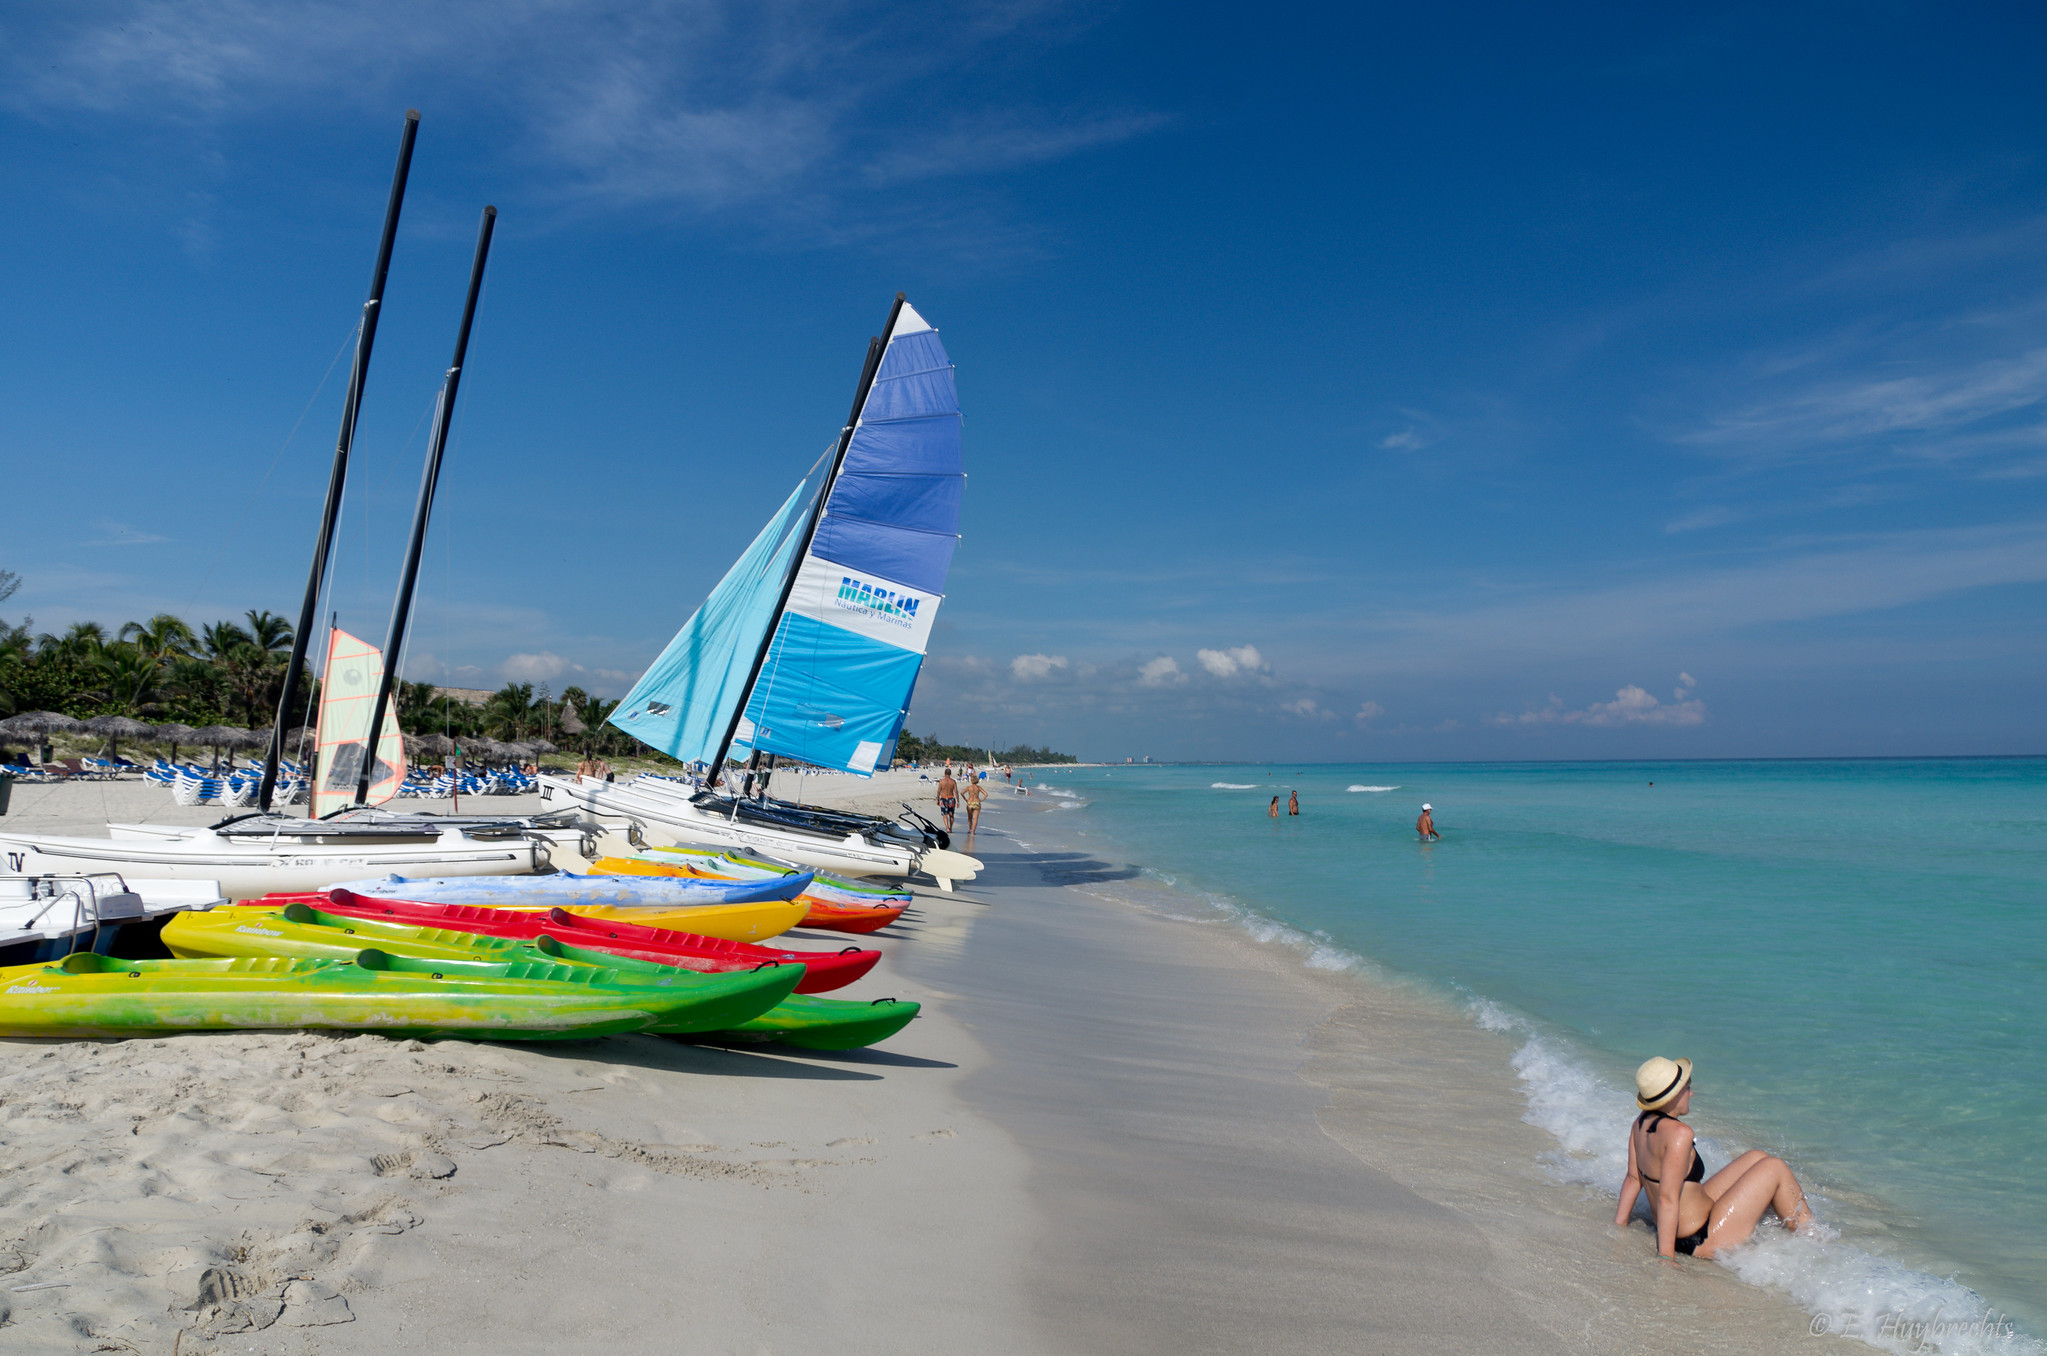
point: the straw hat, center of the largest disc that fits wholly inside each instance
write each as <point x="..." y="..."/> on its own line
<point x="1660" y="1081"/>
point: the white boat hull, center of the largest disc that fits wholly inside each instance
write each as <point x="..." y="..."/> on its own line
<point x="660" y="811"/>
<point x="41" y="916"/>
<point x="247" y="868"/>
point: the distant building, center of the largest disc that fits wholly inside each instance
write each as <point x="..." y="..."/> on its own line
<point x="468" y="696"/>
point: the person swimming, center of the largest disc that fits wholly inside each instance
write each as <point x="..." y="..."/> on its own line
<point x="1695" y="1214"/>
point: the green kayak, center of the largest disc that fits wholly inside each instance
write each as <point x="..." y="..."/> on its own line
<point x="529" y="999"/>
<point x="298" y="930"/>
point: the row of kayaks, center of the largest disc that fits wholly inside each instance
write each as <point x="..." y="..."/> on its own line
<point x="654" y="942"/>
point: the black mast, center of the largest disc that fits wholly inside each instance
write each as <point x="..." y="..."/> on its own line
<point x="366" y="335"/>
<point x="875" y="348"/>
<point x="444" y="413"/>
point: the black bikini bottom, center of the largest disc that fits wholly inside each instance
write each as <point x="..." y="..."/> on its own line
<point x="1690" y="1242"/>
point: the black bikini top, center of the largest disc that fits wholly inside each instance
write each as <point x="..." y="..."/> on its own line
<point x="1698" y="1172"/>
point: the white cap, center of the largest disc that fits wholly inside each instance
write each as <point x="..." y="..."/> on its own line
<point x="1425" y="807"/>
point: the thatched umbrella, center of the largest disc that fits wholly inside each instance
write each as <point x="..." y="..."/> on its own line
<point x="41" y="724"/>
<point x="117" y="728"/>
<point x="434" y="745"/>
<point x="175" y="734"/>
<point x="218" y="737"/>
<point x="572" y="723"/>
<point x="478" y="748"/>
<point x="541" y="746"/>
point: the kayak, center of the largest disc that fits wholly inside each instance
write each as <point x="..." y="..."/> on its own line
<point x="738" y="866"/>
<point x="732" y="922"/>
<point x="825" y="970"/>
<point x="88" y="995"/>
<point x="752" y="1010"/>
<point x="463" y="957"/>
<point x="820" y="913"/>
<point x="564" y="888"/>
<point x="825" y="1023"/>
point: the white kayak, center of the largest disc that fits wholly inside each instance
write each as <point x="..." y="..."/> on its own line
<point x="252" y="859"/>
<point x="561" y="890"/>
<point x="45" y="917"/>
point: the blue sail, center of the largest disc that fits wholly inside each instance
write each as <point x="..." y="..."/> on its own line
<point x="837" y="680"/>
<point x="684" y="704"/>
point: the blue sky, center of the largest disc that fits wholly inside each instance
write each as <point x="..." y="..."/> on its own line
<point x="1341" y="383"/>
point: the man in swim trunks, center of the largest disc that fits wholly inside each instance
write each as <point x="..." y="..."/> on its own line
<point x="948" y="797"/>
<point x="1426" y="826"/>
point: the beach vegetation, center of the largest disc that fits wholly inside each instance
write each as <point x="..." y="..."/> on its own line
<point x="930" y="749"/>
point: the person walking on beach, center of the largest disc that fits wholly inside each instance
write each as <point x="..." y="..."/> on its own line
<point x="1426" y="826"/>
<point x="948" y="796"/>
<point x="1293" y="802"/>
<point x="1695" y="1214"/>
<point x="1272" y="810"/>
<point x="975" y="794"/>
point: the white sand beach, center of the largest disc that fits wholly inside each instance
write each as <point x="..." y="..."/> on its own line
<point x="1111" y="1130"/>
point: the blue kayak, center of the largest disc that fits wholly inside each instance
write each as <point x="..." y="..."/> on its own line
<point x="564" y="889"/>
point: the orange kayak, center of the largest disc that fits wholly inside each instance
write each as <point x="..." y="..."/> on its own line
<point x="820" y="913"/>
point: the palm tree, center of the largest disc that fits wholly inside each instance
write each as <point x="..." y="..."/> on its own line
<point x="510" y="711"/>
<point x="219" y="639"/>
<point x="128" y="679"/>
<point x="163" y="637"/>
<point x="250" y="672"/>
<point x="81" y="640"/>
<point x="270" y="631"/>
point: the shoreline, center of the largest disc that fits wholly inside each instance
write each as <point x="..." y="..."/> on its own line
<point x="1422" y="1104"/>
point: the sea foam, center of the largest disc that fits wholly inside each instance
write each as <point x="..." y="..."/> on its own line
<point x="1371" y="788"/>
<point x="1231" y="786"/>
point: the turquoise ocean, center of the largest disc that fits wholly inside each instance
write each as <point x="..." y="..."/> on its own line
<point x="1854" y="953"/>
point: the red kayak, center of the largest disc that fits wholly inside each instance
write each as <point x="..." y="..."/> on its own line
<point x="841" y="918"/>
<point x="825" y="970"/>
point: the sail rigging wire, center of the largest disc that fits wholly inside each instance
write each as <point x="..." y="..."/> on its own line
<point x="250" y="503"/>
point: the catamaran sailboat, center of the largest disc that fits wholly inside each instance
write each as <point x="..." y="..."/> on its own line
<point x="810" y="646"/>
<point x="252" y="855"/>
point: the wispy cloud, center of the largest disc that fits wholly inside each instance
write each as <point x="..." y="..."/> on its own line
<point x="113" y="533"/>
<point x="706" y="105"/>
<point x="1926" y="402"/>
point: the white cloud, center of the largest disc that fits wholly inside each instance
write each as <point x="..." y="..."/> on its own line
<point x="1229" y="663"/>
<point x="1368" y="711"/>
<point x="1631" y="705"/>
<point x="1407" y="440"/>
<point x="537" y="668"/>
<point x="1307" y="708"/>
<point x="1030" y="668"/>
<point x="1161" y="672"/>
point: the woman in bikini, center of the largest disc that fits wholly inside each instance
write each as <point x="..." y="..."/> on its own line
<point x="1695" y="1214"/>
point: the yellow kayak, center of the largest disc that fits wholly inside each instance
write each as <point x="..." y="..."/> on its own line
<point x="730" y="922"/>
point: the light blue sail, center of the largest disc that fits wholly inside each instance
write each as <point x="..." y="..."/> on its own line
<point x="684" y="703"/>
<point x="846" y="652"/>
